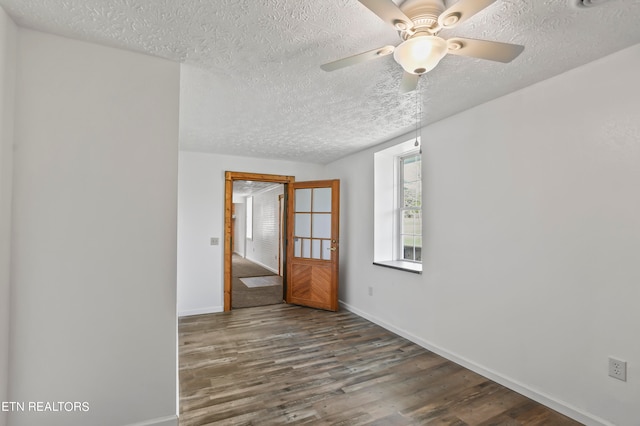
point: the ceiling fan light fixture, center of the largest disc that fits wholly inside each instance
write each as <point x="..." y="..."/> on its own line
<point x="420" y="54"/>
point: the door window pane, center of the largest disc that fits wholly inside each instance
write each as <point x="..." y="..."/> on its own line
<point x="302" y="227"/>
<point x="322" y="200"/>
<point x="303" y="200"/>
<point x="306" y="247"/>
<point x="321" y="225"/>
<point x="326" y="253"/>
<point x="315" y="249"/>
<point x="297" y="247"/>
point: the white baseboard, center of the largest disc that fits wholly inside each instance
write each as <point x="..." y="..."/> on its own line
<point x="553" y="403"/>
<point x="200" y="311"/>
<point x="160" y="421"/>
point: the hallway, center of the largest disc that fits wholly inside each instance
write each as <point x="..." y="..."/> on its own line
<point x="253" y="285"/>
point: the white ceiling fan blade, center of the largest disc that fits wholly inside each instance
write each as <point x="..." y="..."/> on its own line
<point x="409" y="82"/>
<point x="357" y="59"/>
<point x="389" y="13"/>
<point x="461" y="11"/>
<point x="484" y="49"/>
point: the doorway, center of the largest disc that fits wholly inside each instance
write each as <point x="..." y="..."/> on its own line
<point x="256" y="277"/>
<point x="231" y="224"/>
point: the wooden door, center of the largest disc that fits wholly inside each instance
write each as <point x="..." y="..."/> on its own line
<point x="313" y="217"/>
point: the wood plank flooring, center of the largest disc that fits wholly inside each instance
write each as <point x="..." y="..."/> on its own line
<point x="284" y="364"/>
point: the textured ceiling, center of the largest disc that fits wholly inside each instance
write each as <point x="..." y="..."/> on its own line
<point x="243" y="188"/>
<point x="251" y="82"/>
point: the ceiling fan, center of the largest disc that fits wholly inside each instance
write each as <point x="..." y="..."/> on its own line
<point x="419" y="22"/>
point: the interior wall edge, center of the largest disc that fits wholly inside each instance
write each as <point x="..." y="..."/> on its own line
<point x="8" y="54"/>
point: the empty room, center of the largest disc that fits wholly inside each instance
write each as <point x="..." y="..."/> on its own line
<point x="339" y="212"/>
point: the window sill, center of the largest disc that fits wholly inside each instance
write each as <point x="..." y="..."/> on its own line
<point x="401" y="265"/>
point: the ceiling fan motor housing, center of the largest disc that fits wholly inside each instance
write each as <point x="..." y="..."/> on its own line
<point x="424" y="16"/>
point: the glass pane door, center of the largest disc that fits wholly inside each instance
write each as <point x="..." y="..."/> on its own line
<point x="312" y="223"/>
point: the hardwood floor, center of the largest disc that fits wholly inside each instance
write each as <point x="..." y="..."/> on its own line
<point x="283" y="364"/>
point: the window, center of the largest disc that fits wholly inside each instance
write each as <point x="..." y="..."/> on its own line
<point x="410" y="208"/>
<point x="249" y="221"/>
<point x="398" y="207"/>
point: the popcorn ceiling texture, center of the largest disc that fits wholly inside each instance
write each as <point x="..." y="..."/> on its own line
<point x="251" y="82"/>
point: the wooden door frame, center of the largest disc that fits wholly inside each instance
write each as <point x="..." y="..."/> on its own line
<point x="229" y="177"/>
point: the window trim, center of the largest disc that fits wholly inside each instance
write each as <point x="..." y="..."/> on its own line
<point x="249" y="218"/>
<point x="401" y="265"/>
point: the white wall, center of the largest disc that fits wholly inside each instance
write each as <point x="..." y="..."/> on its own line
<point x="263" y="247"/>
<point x="8" y="40"/>
<point x="532" y="240"/>
<point x="201" y="216"/>
<point x="94" y="221"/>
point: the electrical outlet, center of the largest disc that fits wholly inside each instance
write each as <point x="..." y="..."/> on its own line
<point x="370" y="291"/>
<point x="215" y="241"/>
<point x="618" y="369"/>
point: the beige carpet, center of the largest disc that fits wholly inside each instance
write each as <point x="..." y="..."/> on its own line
<point x="245" y="296"/>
